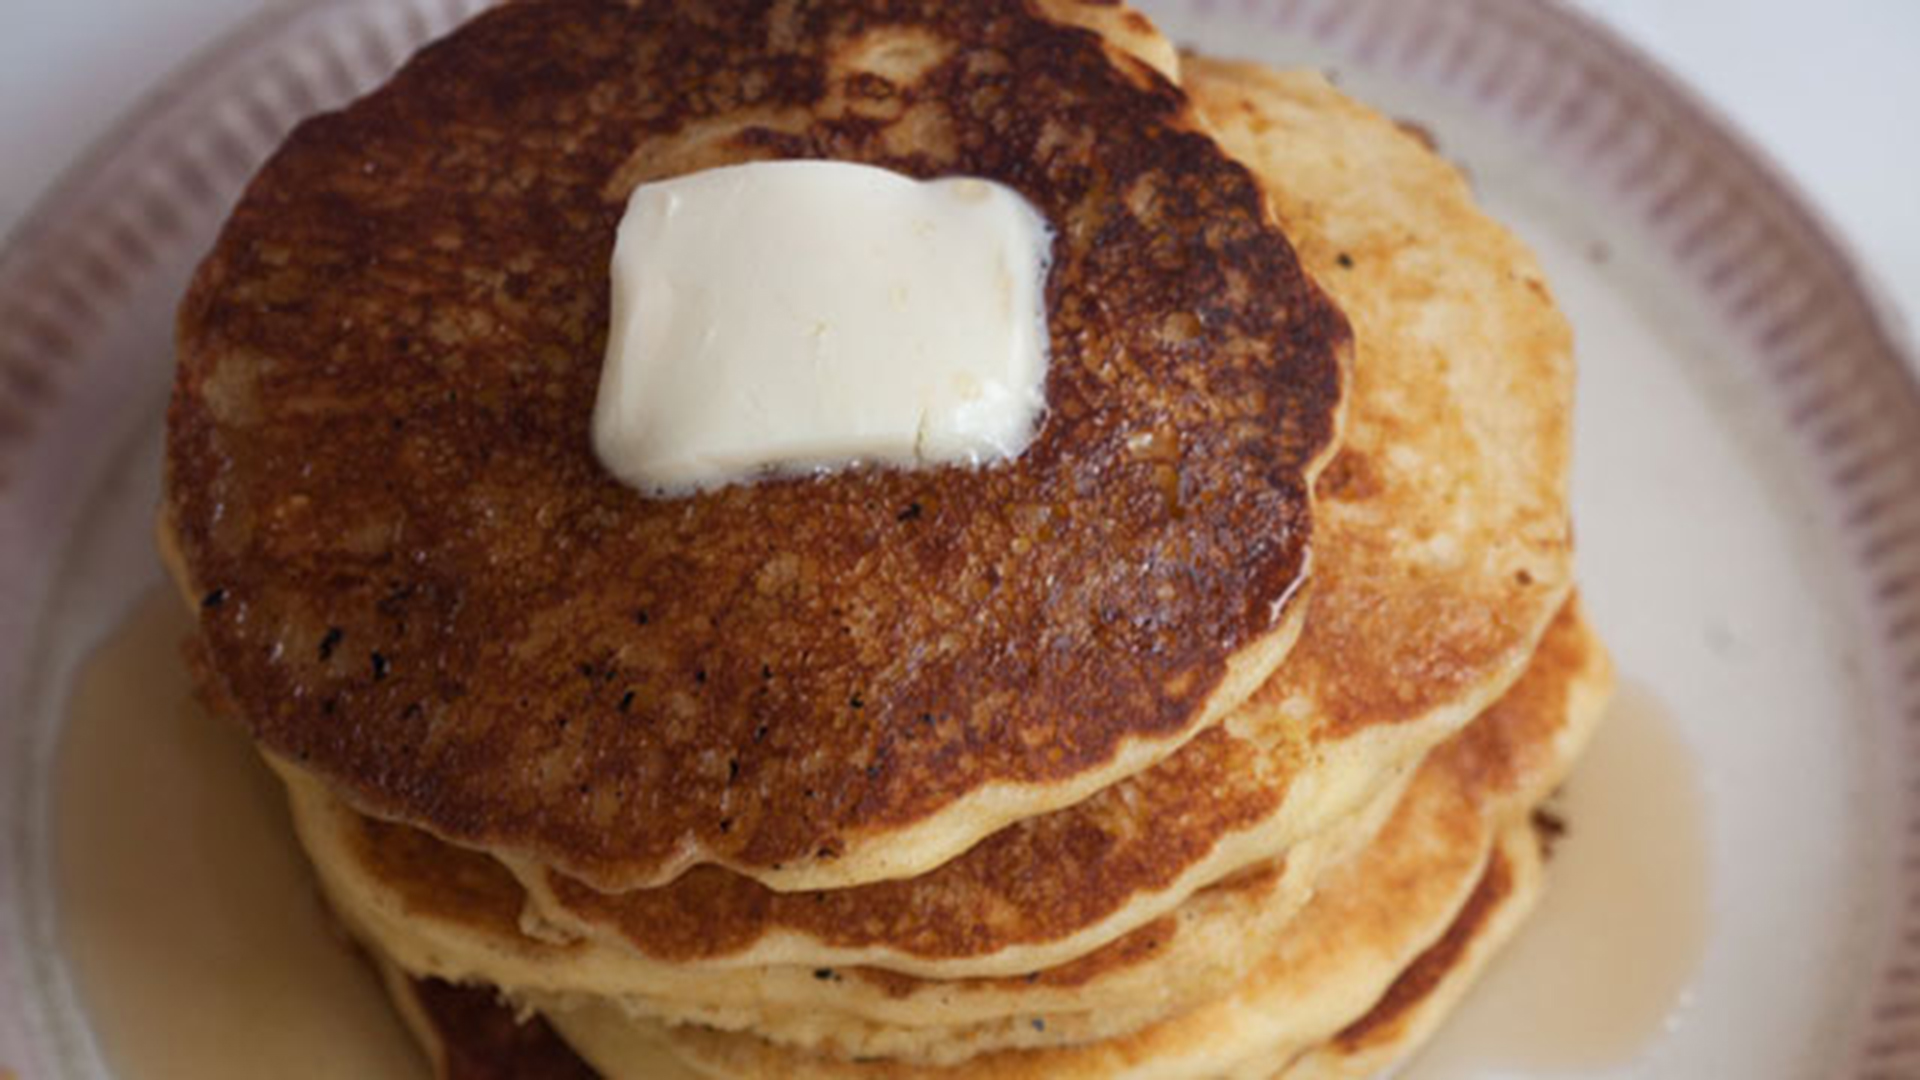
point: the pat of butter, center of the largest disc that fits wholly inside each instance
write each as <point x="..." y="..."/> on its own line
<point x="810" y="315"/>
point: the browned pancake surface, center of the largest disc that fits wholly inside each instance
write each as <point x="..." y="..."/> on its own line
<point x="419" y="583"/>
<point x="1463" y="384"/>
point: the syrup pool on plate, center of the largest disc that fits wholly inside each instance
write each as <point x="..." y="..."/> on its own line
<point x="187" y="914"/>
<point x="1599" y="971"/>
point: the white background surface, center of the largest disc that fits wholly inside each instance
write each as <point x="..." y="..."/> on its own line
<point x="1829" y="89"/>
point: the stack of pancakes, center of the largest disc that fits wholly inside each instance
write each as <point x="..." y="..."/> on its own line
<point x="1203" y="739"/>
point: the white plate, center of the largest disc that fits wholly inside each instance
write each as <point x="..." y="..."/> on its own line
<point x="1748" y="476"/>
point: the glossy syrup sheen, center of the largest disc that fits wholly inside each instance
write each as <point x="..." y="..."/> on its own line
<point x="1602" y="967"/>
<point x="187" y="914"/>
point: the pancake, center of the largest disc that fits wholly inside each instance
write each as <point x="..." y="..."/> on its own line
<point x="1443" y="550"/>
<point x="467" y="1033"/>
<point x="462" y="1030"/>
<point x="1465" y="821"/>
<point x="1124" y="31"/>
<point x="472" y="1035"/>
<point x="1428" y="988"/>
<point x="440" y="912"/>
<point x="1413" y="1007"/>
<point x="419" y="585"/>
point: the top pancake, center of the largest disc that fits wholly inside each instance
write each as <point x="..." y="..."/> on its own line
<point x="420" y="585"/>
<point x="1442" y="551"/>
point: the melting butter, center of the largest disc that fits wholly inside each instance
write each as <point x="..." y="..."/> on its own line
<point x="812" y="315"/>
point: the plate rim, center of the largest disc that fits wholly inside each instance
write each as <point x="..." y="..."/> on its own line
<point x="55" y="244"/>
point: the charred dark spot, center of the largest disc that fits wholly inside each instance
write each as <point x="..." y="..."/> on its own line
<point x="911" y="513"/>
<point x="1350" y="477"/>
<point x="1345" y="260"/>
<point x="1421" y="133"/>
<point x="330" y="641"/>
<point x="1550" y="827"/>
<point x="869" y="86"/>
<point x="626" y="701"/>
<point x="379" y="663"/>
<point x="213" y="599"/>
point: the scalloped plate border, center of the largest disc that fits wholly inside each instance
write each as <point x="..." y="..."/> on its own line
<point x="1828" y="355"/>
